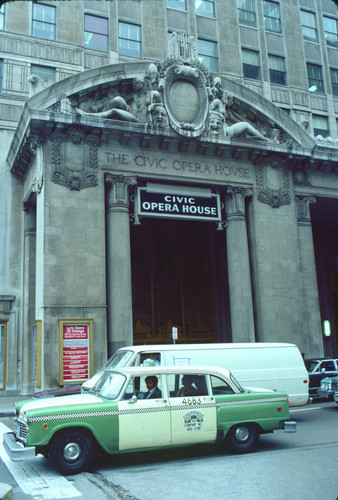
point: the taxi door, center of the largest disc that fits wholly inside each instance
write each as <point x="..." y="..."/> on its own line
<point x="143" y="423"/>
<point x="193" y="411"/>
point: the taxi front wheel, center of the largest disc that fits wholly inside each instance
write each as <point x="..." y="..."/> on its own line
<point x="242" y="438"/>
<point x="71" y="452"/>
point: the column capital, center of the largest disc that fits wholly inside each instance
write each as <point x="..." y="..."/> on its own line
<point x="118" y="192"/>
<point x="235" y="201"/>
<point x="303" y="208"/>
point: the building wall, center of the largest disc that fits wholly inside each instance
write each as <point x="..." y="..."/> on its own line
<point x="68" y="228"/>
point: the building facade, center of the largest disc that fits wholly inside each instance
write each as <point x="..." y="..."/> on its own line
<point x="166" y="166"/>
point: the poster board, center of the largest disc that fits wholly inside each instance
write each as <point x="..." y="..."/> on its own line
<point x="76" y="348"/>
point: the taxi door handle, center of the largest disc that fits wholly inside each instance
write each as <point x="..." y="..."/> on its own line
<point x="161" y="401"/>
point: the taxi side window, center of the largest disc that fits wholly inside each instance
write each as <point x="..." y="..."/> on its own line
<point x="327" y="366"/>
<point x="181" y="385"/>
<point x="131" y="389"/>
<point x="147" y="359"/>
<point x="138" y="387"/>
<point x="219" y="386"/>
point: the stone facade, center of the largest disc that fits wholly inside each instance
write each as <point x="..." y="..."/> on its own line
<point x="79" y="244"/>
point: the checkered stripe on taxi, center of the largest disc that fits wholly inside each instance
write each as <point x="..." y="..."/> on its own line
<point x="251" y="401"/>
<point x="155" y="409"/>
<point x="132" y="411"/>
<point x="43" y="418"/>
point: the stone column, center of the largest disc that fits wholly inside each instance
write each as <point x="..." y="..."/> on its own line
<point x="311" y="321"/>
<point x="241" y="306"/>
<point x="29" y="297"/>
<point x="120" y="314"/>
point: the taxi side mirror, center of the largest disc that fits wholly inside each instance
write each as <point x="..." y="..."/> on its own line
<point x="133" y="399"/>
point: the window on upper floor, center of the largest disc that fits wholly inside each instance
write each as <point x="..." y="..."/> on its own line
<point x="2" y="17"/>
<point x="251" y="64"/>
<point x="331" y="31"/>
<point x="315" y="78"/>
<point x="44" y="21"/>
<point x="95" y="32"/>
<point x="277" y="70"/>
<point x="46" y="73"/>
<point x="129" y="39"/>
<point x="309" y="26"/>
<point x="320" y="126"/>
<point x="334" y="81"/>
<point x="177" y="5"/>
<point x="272" y="19"/>
<point x="247" y="13"/>
<point x="208" y="54"/>
<point x="1" y="74"/>
<point x="205" y="8"/>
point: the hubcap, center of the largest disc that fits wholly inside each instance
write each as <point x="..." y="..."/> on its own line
<point x="242" y="433"/>
<point x="72" y="451"/>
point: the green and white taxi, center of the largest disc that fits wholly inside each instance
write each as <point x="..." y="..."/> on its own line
<point x="141" y="408"/>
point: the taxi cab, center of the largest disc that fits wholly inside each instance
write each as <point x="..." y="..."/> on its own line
<point x="141" y="408"/>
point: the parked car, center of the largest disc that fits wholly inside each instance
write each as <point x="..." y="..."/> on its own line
<point x="319" y="369"/>
<point x="328" y="387"/>
<point x="191" y="405"/>
<point x="272" y="365"/>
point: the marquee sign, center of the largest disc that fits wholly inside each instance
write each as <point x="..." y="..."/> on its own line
<point x="202" y="206"/>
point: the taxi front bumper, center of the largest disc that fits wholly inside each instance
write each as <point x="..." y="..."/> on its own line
<point x="15" y="450"/>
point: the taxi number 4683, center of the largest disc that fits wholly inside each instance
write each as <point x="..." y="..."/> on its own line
<point x="191" y="401"/>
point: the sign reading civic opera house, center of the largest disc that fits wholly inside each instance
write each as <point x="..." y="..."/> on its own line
<point x="177" y="204"/>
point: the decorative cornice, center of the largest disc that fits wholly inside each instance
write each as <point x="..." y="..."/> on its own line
<point x="6" y="302"/>
<point x="303" y="208"/>
<point x="118" y="193"/>
<point x="235" y="202"/>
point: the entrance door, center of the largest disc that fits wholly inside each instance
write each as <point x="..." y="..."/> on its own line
<point x="178" y="279"/>
<point x="193" y="411"/>
<point x="143" y="423"/>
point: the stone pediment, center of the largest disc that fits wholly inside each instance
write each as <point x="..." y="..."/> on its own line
<point x="178" y="99"/>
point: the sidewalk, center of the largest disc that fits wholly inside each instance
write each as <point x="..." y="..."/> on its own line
<point x="6" y="404"/>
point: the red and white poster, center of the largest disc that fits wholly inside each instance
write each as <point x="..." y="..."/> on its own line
<point x="75" y="352"/>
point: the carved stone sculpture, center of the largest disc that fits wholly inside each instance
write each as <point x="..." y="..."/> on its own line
<point x="179" y="93"/>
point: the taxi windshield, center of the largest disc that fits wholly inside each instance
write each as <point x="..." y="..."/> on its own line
<point x="118" y="360"/>
<point x="109" y="385"/>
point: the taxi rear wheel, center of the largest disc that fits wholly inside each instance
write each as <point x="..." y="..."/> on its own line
<point x="71" y="452"/>
<point x="242" y="438"/>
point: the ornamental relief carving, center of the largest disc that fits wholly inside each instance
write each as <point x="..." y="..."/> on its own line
<point x="181" y="95"/>
<point x="272" y="181"/>
<point x="74" y="167"/>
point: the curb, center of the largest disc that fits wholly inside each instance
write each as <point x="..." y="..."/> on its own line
<point x="6" y="492"/>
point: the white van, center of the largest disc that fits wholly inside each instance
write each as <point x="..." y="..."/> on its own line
<point x="273" y="366"/>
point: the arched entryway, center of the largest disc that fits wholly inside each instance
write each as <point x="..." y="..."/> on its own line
<point x="179" y="278"/>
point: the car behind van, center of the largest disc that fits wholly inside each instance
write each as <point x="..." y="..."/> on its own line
<point x="276" y="366"/>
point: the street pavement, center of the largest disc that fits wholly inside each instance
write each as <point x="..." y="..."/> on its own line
<point x="8" y="486"/>
<point x="300" y="466"/>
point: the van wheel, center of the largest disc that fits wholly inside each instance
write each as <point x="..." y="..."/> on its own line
<point x="71" y="452"/>
<point x="242" y="438"/>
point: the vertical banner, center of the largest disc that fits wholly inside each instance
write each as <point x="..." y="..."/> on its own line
<point x="37" y="358"/>
<point x="75" y="350"/>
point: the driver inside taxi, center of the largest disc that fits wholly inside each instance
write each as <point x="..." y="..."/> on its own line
<point x="153" y="391"/>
